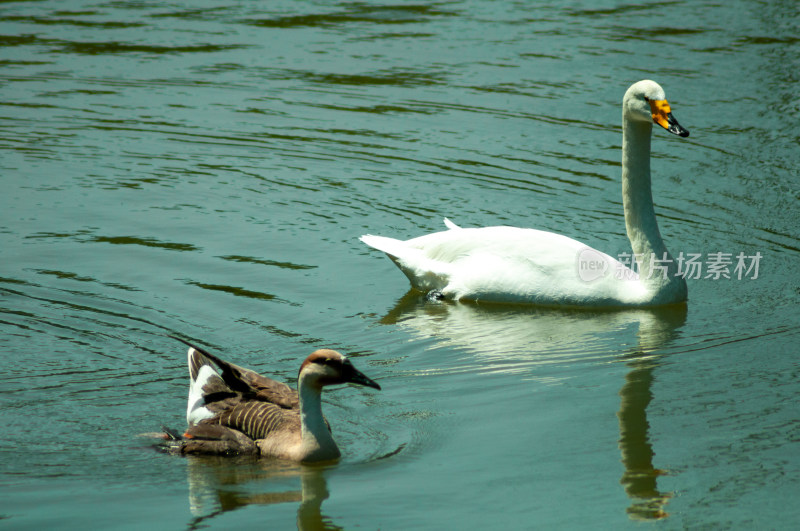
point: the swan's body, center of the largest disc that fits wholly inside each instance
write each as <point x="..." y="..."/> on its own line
<point x="508" y="264"/>
<point x="238" y="411"/>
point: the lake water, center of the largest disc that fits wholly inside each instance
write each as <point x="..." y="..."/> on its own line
<point x="205" y="168"/>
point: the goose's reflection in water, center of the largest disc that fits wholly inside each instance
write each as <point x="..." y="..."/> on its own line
<point x="515" y="338"/>
<point x="221" y="484"/>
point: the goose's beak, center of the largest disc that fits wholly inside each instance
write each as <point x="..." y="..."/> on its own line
<point x="662" y="115"/>
<point x="355" y="376"/>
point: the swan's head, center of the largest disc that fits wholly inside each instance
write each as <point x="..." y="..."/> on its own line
<point x="328" y="367"/>
<point x="645" y="102"/>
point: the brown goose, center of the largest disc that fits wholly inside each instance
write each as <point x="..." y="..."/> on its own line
<point x="238" y="411"/>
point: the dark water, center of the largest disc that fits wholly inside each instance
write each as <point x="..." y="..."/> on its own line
<point x="205" y="168"/>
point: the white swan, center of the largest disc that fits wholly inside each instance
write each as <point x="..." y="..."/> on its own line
<point x="508" y="264"/>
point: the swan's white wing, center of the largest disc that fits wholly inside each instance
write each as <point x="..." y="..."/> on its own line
<point x="509" y="264"/>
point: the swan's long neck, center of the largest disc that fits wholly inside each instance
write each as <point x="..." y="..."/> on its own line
<point x="316" y="437"/>
<point x="640" y="217"/>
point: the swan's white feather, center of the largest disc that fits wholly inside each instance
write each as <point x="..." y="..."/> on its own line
<point x="450" y="225"/>
<point x="508" y="264"/>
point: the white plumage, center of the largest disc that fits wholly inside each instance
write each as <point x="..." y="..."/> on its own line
<point x="509" y="264"/>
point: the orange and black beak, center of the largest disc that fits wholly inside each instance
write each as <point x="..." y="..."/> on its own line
<point x="662" y="115"/>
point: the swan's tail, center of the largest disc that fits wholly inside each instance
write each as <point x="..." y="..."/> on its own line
<point x="391" y="246"/>
<point x="424" y="273"/>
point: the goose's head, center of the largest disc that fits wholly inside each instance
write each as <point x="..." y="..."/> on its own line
<point x="645" y="102"/>
<point x="328" y="367"/>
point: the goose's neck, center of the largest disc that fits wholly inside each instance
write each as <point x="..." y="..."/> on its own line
<point x="640" y="217"/>
<point x="316" y="437"/>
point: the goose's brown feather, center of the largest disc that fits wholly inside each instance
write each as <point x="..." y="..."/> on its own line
<point x="245" y="401"/>
<point x="245" y="381"/>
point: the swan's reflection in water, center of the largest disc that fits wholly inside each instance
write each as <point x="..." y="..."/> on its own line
<point x="639" y="478"/>
<point x="514" y="338"/>
<point x="657" y="329"/>
<point x="221" y="484"/>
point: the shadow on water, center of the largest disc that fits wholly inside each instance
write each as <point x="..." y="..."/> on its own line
<point x="511" y="339"/>
<point x="221" y="484"/>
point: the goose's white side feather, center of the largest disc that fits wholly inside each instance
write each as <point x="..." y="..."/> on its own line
<point x="196" y="410"/>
